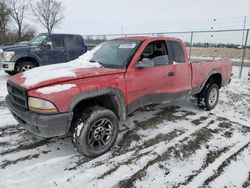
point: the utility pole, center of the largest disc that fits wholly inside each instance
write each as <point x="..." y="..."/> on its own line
<point x="243" y="55"/>
<point x="121" y="30"/>
<point x="244" y="27"/>
<point x="243" y="47"/>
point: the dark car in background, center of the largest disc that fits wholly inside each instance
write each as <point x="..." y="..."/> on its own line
<point x="41" y="50"/>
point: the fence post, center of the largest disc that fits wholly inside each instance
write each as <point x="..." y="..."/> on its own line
<point x="190" y="47"/>
<point x="243" y="55"/>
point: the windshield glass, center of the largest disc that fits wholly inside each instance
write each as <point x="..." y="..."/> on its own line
<point x="115" y="53"/>
<point x="37" y="40"/>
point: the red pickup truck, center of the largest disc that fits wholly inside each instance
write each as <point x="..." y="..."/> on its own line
<point x="88" y="97"/>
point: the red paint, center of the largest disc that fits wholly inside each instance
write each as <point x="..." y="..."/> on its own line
<point x="133" y="82"/>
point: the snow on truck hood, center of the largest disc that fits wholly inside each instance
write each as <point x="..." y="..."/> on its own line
<point x="51" y="74"/>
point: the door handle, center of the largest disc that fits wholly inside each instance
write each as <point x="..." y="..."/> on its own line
<point x="170" y="73"/>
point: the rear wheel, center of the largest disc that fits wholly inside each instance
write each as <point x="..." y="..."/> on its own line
<point x="25" y="66"/>
<point x="95" y="131"/>
<point x="209" y="96"/>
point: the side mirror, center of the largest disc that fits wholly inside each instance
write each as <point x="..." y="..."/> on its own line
<point x="48" y="45"/>
<point x="145" y="63"/>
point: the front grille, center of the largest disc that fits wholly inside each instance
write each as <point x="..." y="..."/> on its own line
<point x="18" y="95"/>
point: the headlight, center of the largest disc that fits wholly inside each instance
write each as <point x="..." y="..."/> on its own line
<point x="8" y="55"/>
<point x="41" y="106"/>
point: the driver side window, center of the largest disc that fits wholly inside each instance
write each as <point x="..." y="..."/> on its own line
<point x="57" y="41"/>
<point x="156" y="52"/>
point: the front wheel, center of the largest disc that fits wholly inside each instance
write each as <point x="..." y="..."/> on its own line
<point x="95" y="131"/>
<point x="25" y="66"/>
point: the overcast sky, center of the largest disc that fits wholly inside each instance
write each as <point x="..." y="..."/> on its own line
<point x="135" y="16"/>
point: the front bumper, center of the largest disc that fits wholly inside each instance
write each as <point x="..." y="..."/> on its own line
<point x="7" y="65"/>
<point x="40" y="124"/>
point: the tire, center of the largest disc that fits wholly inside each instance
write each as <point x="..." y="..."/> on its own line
<point x="212" y="96"/>
<point x="25" y="65"/>
<point x="11" y="73"/>
<point x="209" y="96"/>
<point x="95" y="132"/>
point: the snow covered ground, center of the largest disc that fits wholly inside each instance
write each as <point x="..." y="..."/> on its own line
<point x="162" y="146"/>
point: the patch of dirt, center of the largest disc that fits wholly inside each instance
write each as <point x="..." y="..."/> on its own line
<point x="225" y="125"/>
<point x="10" y="130"/>
<point x="2" y="104"/>
<point x="27" y="146"/>
<point x="210" y="158"/>
<point x="211" y="122"/>
<point x="246" y="184"/>
<point x="128" y="162"/>
<point x="124" y="146"/>
<point x="166" y="114"/>
<point x="6" y="163"/>
<point x="222" y="167"/>
<point x="3" y="144"/>
<point x="191" y="144"/>
<point x="127" y="139"/>
<point x="163" y="137"/>
<point x="46" y="151"/>
<point x="200" y="120"/>
<point x="81" y="160"/>
<point x="227" y="134"/>
<point x="187" y="147"/>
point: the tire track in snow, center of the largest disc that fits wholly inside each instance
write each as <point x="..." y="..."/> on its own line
<point x="157" y="152"/>
<point x="221" y="169"/>
<point x="209" y="158"/>
<point x="208" y="172"/>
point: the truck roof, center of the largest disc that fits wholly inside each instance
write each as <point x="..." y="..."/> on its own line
<point x="143" y="38"/>
<point x="64" y="34"/>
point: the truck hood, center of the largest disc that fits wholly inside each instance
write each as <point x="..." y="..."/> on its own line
<point x="53" y="74"/>
<point x="15" y="47"/>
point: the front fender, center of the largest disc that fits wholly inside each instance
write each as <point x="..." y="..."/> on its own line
<point x="116" y="93"/>
<point x="27" y="55"/>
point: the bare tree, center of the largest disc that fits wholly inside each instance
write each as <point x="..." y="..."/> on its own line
<point x="4" y="18"/>
<point x="18" y="10"/>
<point x="49" y="13"/>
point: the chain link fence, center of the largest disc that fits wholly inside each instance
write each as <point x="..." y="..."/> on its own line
<point x="211" y="44"/>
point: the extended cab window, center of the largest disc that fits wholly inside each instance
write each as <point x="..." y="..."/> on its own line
<point x="57" y="41"/>
<point x="75" y="42"/>
<point x="157" y="52"/>
<point x="177" y="52"/>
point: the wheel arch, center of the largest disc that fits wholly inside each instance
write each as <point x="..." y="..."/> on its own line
<point x="213" y="77"/>
<point x="110" y="98"/>
<point x="27" y="58"/>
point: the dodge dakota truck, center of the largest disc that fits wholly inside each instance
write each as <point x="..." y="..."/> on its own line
<point x="41" y="50"/>
<point x="87" y="97"/>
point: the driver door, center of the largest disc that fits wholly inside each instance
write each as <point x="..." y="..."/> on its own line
<point x="57" y="53"/>
<point x="152" y="84"/>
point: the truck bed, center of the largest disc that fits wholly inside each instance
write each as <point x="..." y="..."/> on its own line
<point x="201" y="70"/>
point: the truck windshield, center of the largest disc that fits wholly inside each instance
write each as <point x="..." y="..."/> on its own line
<point x="115" y="53"/>
<point x="37" y="40"/>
